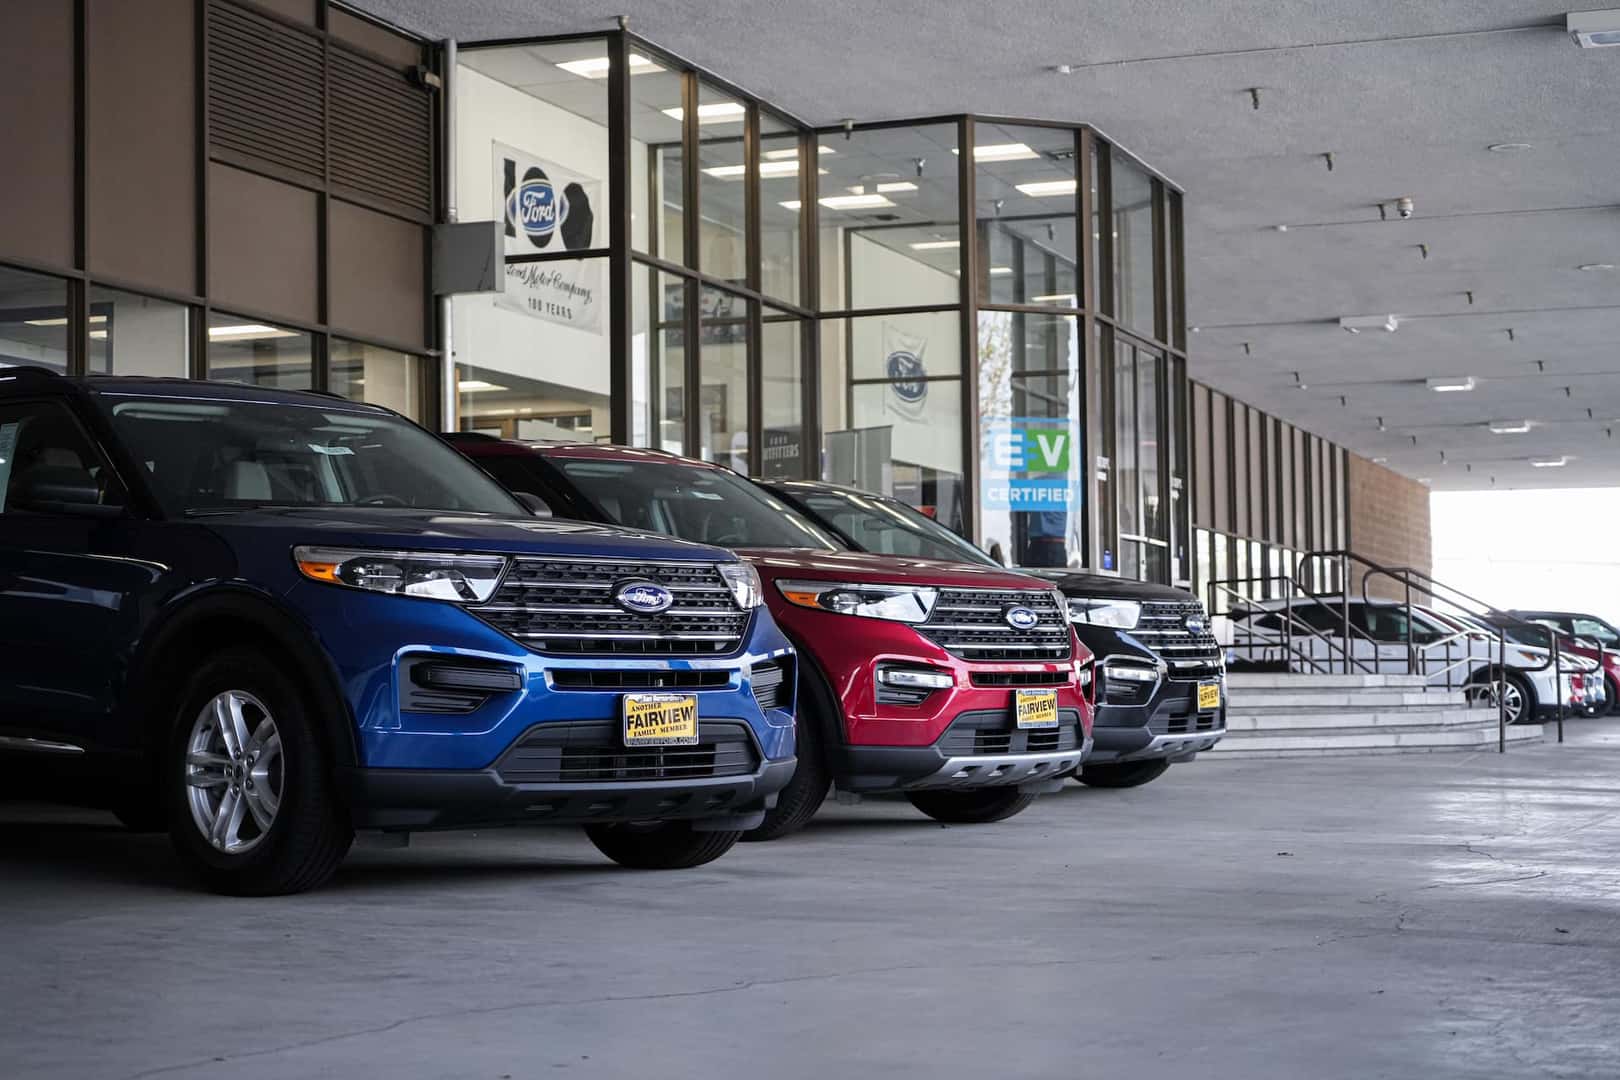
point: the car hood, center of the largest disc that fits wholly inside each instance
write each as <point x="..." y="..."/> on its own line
<point x="861" y="567"/>
<point x="1106" y="587"/>
<point x="428" y="530"/>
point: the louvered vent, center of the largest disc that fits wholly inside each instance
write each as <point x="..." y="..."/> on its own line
<point x="382" y="129"/>
<point x="264" y="81"/>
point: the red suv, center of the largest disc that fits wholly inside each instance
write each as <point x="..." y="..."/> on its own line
<point x="962" y="687"/>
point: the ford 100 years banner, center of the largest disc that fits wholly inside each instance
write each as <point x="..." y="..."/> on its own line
<point x="549" y="208"/>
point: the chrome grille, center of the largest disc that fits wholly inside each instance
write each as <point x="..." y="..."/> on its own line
<point x="972" y="624"/>
<point x="1163" y="628"/>
<point x="565" y="606"/>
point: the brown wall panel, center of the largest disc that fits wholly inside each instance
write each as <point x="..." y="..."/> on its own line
<point x="141" y="142"/>
<point x="376" y="286"/>
<point x="262" y="253"/>
<point x="372" y="38"/>
<point x="1388" y="521"/>
<point x="298" y="10"/>
<point x="36" y="114"/>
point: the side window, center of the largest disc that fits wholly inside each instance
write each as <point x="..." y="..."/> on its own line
<point x="1598" y="632"/>
<point x="47" y="463"/>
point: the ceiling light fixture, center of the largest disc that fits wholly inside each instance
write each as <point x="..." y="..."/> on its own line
<point x="1013" y="151"/>
<point x="715" y="112"/>
<point x="596" y="67"/>
<point x="1509" y="147"/>
<point x="935" y="245"/>
<point x="477" y="386"/>
<point x="844" y="202"/>
<point x="247" y="330"/>
<point x="1549" y="462"/>
<point x="1450" y="384"/>
<point x="1068" y="298"/>
<point x="1044" y="188"/>
<point x="1594" y="29"/>
<point x="767" y="170"/>
<point x="896" y="185"/>
<point x="1355" y="324"/>
<point x="1000" y="271"/>
<point x="1595" y="267"/>
<point x="1509" y="427"/>
<point x="791" y="154"/>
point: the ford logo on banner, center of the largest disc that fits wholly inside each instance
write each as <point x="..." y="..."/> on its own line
<point x="643" y="597"/>
<point x="1022" y="618"/>
<point x="536" y="207"/>
<point x="907" y="371"/>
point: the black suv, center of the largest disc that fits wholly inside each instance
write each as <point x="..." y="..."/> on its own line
<point x="1161" y="676"/>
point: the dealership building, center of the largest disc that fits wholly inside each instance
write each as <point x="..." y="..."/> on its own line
<point x="585" y="237"/>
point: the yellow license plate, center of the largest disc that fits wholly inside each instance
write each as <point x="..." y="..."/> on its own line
<point x="1209" y="696"/>
<point x="660" y="720"/>
<point x="1036" y="708"/>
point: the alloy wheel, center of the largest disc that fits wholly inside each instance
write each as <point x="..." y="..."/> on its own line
<point x="234" y="772"/>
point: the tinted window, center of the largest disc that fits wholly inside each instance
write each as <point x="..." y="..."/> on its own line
<point x="46" y="460"/>
<point x="889" y="527"/>
<point x="1600" y="632"/>
<point x="711" y="506"/>
<point x="204" y="455"/>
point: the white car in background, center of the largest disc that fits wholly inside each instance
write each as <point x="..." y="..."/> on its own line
<point x="1450" y="650"/>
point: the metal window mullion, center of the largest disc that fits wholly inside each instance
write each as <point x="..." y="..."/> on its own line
<point x="754" y="356"/>
<point x="621" y="421"/>
<point x="1161" y="269"/>
<point x="810" y="297"/>
<point x="1087" y="296"/>
<point x="967" y="229"/>
<point x="691" y="230"/>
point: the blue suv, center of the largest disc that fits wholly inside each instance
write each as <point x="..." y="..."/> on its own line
<point x="262" y="619"/>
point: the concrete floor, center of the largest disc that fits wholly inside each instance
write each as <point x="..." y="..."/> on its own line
<point x="1430" y="916"/>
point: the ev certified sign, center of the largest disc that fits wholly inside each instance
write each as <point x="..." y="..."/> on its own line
<point x="1028" y="463"/>
<point x="549" y="208"/>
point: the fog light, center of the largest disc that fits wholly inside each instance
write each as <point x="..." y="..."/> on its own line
<point x="915" y="679"/>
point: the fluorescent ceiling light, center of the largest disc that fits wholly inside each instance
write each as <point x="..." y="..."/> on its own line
<point x="897" y="185"/>
<point x="1509" y="427"/>
<point x="61" y="322"/>
<point x="1055" y="298"/>
<point x="1549" y="462"/>
<point x="767" y="170"/>
<point x="596" y="67"/>
<point x="1449" y="384"/>
<point x="476" y="386"/>
<point x="98" y="335"/>
<point x="935" y="245"/>
<point x="1357" y="323"/>
<point x="1043" y="188"/>
<point x="715" y="112"/>
<point x="1591" y="267"/>
<point x="1509" y="147"/>
<point x="853" y="202"/>
<point x="1012" y="151"/>
<point x="778" y="155"/>
<point x="247" y="330"/>
<point x="1000" y="271"/>
<point x="1594" y="29"/>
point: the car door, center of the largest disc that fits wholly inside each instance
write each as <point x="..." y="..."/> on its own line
<point x="68" y="586"/>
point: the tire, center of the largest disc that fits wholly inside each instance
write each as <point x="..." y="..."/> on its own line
<point x="797" y="803"/>
<point x="974" y="807"/>
<point x="290" y="829"/>
<point x="1519" y="690"/>
<point x="1126" y="774"/>
<point x="662" y="845"/>
<point x="1614" y="695"/>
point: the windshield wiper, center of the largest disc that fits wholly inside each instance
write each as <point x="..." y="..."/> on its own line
<point x="210" y="511"/>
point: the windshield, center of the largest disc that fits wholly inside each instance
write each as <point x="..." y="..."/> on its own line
<point x="710" y="506"/>
<point x="887" y="526"/>
<point x="216" y="455"/>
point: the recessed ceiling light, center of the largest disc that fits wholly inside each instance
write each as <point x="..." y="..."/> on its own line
<point x="1013" y="151"/>
<point x="596" y="67"/>
<point x="1068" y="298"/>
<point x="1509" y="147"/>
<point x="767" y="170"/>
<point x="791" y="154"/>
<point x="1549" y="462"/>
<point x="1044" y="188"/>
<point x="845" y="202"/>
<point x="1509" y="427"/>
<point x="1380" y="461"/>
<point x="1000" y="271"/>
<point x="477" y="386"/>
<point x="935" y="245"/>
<point x="897" y="185"/>
<point x="247" y="330"/>
<point x="1450" y="384"/>
<point x="715" y="112"/>
<point x="1594" y="29"/>
<point x="1590" y="267"/>
<point x="1357" y="323"/>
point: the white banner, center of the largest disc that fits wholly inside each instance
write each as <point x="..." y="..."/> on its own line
<point x="549" y="208"/>
<point x="903" y="363"/>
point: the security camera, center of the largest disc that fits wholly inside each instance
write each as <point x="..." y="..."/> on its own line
<point x="1403" y="206"/>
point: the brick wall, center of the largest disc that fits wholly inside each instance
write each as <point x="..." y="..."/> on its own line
<point x="1389" y="517"/>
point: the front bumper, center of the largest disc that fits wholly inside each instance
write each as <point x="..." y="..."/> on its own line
<point x="977" y="750"/>
<point x="1167" y="725"/>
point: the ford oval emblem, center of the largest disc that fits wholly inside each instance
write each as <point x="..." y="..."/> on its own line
<point x="1196" y="624"/>
<point x="643" y="597"/>
<point x="1022" y="618"/>
<point x="536" y="207"/>
<point x="907" y="376"/>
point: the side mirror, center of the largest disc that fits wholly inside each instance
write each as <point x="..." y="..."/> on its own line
<point x="53" y="490"/>
<point x="997" y="554"/>
<point x="533" y="503"/>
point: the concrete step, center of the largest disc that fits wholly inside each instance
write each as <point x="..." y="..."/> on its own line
<point x="1247" y="680"/>
<point x="1247" y="698"/>
<point x="1337" y="720"/>
<point x="1458" y="739"/>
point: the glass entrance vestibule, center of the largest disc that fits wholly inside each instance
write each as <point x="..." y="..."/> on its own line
<point x="996" y="337"/>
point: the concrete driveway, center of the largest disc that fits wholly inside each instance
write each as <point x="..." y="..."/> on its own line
<point x="1435" y="916"/>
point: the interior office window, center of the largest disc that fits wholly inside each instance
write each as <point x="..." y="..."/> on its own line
<point x="782" y="452"/>
<point x="658" y="197"/>
<point x="722" y="392"/>
<point x="33" y="320"/>
<point x="378" y="376"/>
<point x="722" y="123"/>
<point x="889" y="217"/>
<point x="658" y="305"/>
<point x="244" y="350"/>
<point x="1031" y="437"/>
<point x="893" y="421"/>
<point x="1027" y="194"/>
<point x="138" y="335"/>
<point x="781" y="237"/>
<point x="1132" y="221"/>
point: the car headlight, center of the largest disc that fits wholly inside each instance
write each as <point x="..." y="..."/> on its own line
<point x="743" y="580"/>
<point x="464" y="579"/>
<point x="899" y="603"/>
<point x="1119" y="614"/>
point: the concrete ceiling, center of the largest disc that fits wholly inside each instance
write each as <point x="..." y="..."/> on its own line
<point x="1405" y="96"/>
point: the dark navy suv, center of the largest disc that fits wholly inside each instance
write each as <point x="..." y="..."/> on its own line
<point x="262" y="619"/>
